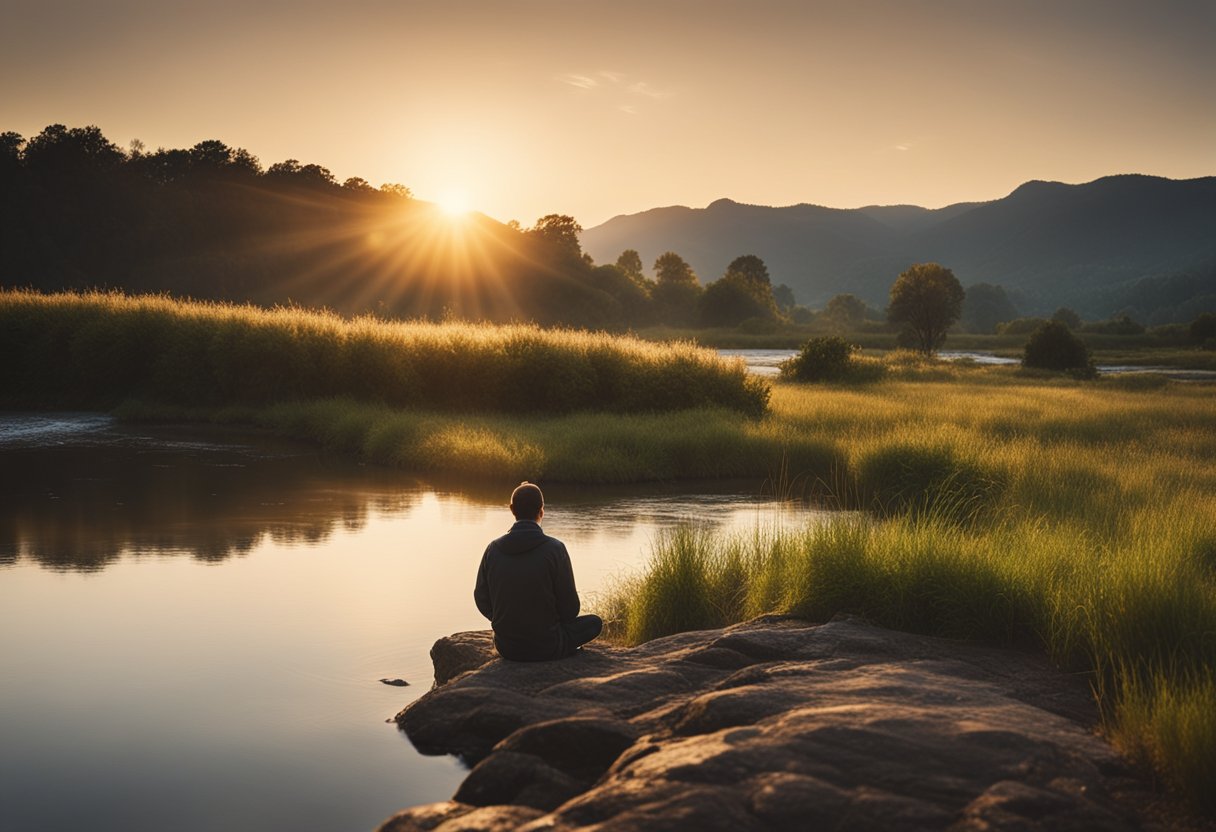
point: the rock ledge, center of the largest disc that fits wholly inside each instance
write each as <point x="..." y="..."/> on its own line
<point x="772" y="724"/>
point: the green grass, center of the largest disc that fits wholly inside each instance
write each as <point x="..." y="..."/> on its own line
<point x="94" y="350"/>
<point x="1076" y="518"/>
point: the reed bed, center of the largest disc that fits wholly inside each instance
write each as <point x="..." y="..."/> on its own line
<point x="97" y="349"/>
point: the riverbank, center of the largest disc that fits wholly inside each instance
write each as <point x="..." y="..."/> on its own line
<point x="1167" y="348"/>
<point x="94" y="350"/>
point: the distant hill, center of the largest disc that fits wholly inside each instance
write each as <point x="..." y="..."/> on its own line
<point x="1049" y="244"/>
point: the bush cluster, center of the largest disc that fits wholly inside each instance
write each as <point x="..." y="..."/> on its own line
<point x="827" y="358"/>
<point x="1053" y="346"/>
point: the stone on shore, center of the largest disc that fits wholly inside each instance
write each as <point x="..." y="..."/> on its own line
<point x="772" y="724"/>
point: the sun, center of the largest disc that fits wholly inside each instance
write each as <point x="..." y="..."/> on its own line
<point x="453" y="202"/>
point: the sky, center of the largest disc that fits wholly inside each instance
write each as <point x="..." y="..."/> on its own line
<point x="595" y="109"/>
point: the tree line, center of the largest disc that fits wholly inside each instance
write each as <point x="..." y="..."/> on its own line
<point x="211" y="222"/>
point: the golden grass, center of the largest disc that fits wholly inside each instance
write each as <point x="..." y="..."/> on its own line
<point x="1079" y="518"/>
<point x="97" y="349"/>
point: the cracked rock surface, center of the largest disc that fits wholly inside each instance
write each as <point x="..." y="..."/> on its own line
<point x="776" y="723"/>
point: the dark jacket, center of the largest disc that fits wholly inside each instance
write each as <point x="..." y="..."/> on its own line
<point x="525" y="586"/>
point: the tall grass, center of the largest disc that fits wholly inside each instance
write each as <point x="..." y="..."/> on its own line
<point x="98" y="349"/>
<point x="1077" y="518"/>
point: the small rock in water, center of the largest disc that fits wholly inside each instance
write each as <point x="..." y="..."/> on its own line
<point x="397" y="683"/>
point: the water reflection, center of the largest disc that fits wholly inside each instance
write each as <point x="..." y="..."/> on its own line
<point x="81" y="492"/>
<point x="83" y="507"/>
<point x="193" y="624"/>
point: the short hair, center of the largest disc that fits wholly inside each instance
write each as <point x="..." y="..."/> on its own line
<point x="527" y="501"/>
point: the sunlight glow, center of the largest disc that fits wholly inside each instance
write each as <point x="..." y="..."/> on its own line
<point x="454" y="202"/>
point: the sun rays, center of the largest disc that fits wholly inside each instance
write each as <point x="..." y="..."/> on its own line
<point x="413" y="259"/>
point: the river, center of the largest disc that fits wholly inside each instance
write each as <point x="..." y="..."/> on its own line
<point x="767" y="362"/>
<point x="194" y="623"/>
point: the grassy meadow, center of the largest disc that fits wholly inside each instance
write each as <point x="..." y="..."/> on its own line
<point x="1031" y="511"/>
<point x="989" y="503"/>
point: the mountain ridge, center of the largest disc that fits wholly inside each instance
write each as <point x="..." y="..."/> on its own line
<point x="1051" y="243"/>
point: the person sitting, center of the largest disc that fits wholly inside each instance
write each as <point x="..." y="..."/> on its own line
<point x="525" y="586"/>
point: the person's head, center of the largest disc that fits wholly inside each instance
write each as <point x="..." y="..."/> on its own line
<point x="527" y="503"/>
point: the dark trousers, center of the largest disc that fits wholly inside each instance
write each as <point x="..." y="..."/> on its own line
<point x="574" y="634"/>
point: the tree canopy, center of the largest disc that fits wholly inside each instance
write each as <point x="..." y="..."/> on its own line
<point x="676" y="289"/>
<point x="561" y="231"/>
<point x="744" y="292"/>
<point x="752" y="272"/>
<point x="926" y="299"/>
<point x="630" y="262"/>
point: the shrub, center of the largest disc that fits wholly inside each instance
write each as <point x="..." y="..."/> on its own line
<point x="826" y="358"/>
<point x="1054" y="347"/>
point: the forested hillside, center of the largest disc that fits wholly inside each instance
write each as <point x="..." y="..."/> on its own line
<point x="78" y="212"/>
<point x="1048" y="244"/>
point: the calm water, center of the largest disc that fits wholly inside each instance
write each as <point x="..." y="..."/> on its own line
<point x="193" y="626"/>
<point x="768" y="363"/>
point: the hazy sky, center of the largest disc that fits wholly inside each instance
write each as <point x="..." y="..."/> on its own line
<point x="600" y="108"/>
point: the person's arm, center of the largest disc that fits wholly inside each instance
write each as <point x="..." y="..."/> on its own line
<point x="563" y="585"/>
<point x="481" y="592"/>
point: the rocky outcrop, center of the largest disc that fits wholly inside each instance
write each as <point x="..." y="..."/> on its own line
<point x="772" y="724"/>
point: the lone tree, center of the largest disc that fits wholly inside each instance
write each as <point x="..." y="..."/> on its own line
<point x="927" y="299"/>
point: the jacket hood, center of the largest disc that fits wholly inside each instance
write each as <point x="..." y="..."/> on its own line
<point x="524" y="536"/>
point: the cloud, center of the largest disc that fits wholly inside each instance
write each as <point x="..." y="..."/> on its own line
<point x="903" y="147"/>
<point x="583" y="82"/>
<point x="607" y="79"/>
<point x="628" y="108"/>
<point x="642" y="88"/>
